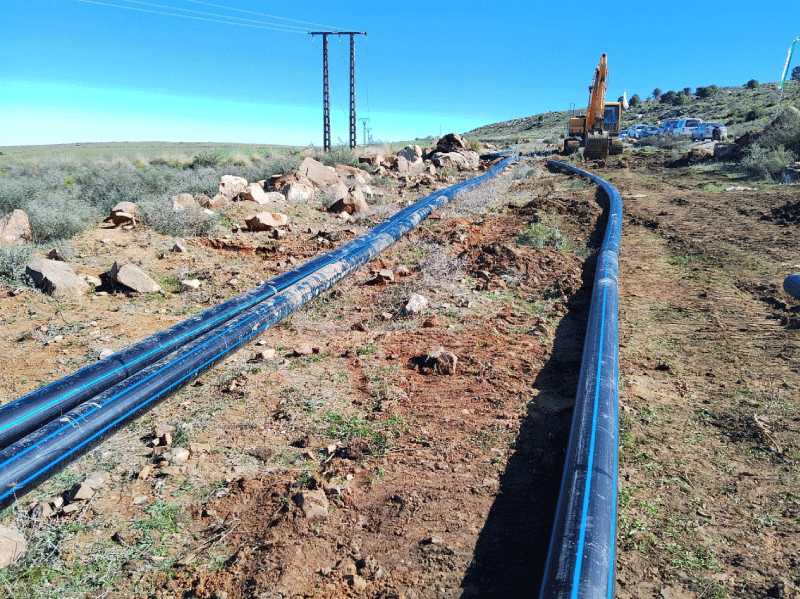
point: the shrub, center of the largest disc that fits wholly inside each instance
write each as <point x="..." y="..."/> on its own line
<point x="56" y="217"/>
<point x="635" y="100"/>
<point x="752" y="84"/>
<point x="668" y="97"/>
<point x="784" y="131"/>
<point x="766" y="163"/>
<point x="706" y="92"/>
<point x="687" y="91"/>
<point x="682" y="99"/>
<point x="13" y="260"/>
<point x="157" y="213"/>
<point x="795" y="73"/>
<point x="339" y="155"/>
<point x="657" y="93"/>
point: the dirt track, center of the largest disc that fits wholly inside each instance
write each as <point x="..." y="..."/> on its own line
<point x="447" y="483"/>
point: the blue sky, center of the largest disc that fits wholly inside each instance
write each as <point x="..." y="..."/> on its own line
<point x="81" y="70"/>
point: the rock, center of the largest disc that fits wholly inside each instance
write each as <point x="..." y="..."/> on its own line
<point x="15" y="229"/>
<point x="347" y="567"/>
<point x="401" y="270"/>
<point x="145" y="472"/>
<point x="472" y="157"/>
<point x="12" y="546"/>
<point x="371" y="159"/>
<point x="255" y="193"/>
<point x="83" y="492"/>
<point x="317" y="173"/>
<point x="231" y="186"/>
<point x="70" y="508"/>
<point x="450" y="160"/>
<point x="44" y="510"/>
<point x="313" y="503"/>
<point x="266" y="221"/>
<point x="416" y="304"/>
<point x="305" y="349"/>
<point x="122" y="214"/>
<point x="452" y="142"/>
<point x="411" y="153"/>
<point x="177" y="455"/>
<point x="218" y="202"/>
<point x="361" y="177"/>
<point x="264" y="355"/>
<point x="132" y="277"/>
<point x="96" y="480"/>
<point x="190" y="285"/>
<point x="183" y="201"/>
<point x="91" y="280"/>
<point x="383" y="276"/>
<point x="179" y="248"/>
<point x="198" y="448"/>
<point x="297" y="192"/>
<point x="348" y="199"/>
<point x="442" y="361"/>
<point x="56" y="278"/>
<point x="396" y="163"/>
<point x="356" y="582"/>
<point x="202" y="199"/>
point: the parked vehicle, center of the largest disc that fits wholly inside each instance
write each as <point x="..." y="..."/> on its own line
<point x="686" y="126"/>
<point x="715" y="131"/>
<point x="634" y="130"/>
<point x="648" y="131"/>
<point x="667" y="126"/>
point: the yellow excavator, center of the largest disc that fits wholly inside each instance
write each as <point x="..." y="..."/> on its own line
<point x="598" y="130"/>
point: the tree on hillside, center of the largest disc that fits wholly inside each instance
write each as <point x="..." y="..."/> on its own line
<point x="635" y="100"/>
<point x="706" y="92"/>
<point x="687" y="91"/>
<point x="752" y="84"/>
<point x="668" y="97"/>
<point x="796" y="73"/>
<point x="657" y="93"/>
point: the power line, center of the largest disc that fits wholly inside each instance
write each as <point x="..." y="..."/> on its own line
<point x="169" y="14"/>
<point x="259" y="14"/>
<point x="211" y="14"/>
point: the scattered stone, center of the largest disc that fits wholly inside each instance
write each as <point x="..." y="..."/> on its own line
<point x="97" y="480"/>
<point x="44" y="510"/>
<point x="347" y="567"/>
<point x="433" y="541"/>
<point x="145" y="472"/>
<point x="82" y="492"/>
<point x="202" y="200"/>
<point x="190" y="285"/>
<point x="357" y="582"/>
<point x="305" y="349"/>
<point x="361" y="327"/>
<point x="170" y="471"/>
<point x="263" y="355"/>
<point x="411" y="153"/>
<point x="198" y="448"/>
<point x="56" y="278"/>
<point x="348" y="199"/>
<point x="359" y="176"/>
<point x="218" y="202"/>
<point x="313" y="503"/>
<point x="131" y="276"/>
<point x="177" y="455"/>
<point x="371" y="159"/>
<point x="401" y="270"/>
<point x="386" y="316"/>
<point x="297" y="192"/>
<point x="430" y="323"/>
<point x="91" y="280"/>
<point x="383" y="276"/>
<point x="231" y="186"/>
<point x="416" y="304"/>
<point x="442" y="361"/>
<point x="254" y="192"/>
<point x="183" y="201"/>
<point x="179" y="248"/>
<point x="266" y="221"/>
<point x="70" y="508"/>
<point x="450" y="160"/>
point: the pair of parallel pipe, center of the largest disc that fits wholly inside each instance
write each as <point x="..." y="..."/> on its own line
<point x="44" y="431"/>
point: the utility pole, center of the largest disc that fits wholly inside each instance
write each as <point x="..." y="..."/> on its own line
<point x="364" y="121"/>
<point x="326" y="96"/>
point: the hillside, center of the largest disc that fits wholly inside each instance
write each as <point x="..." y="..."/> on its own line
<point x="740" y="108"/>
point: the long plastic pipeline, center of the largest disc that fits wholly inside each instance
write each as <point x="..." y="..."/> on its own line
<point x="791" y="285"/>
<point x="35" y="457"/>
<point x="581" y="559"/>
<point x="26" y="414"/>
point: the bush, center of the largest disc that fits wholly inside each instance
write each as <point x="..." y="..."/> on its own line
<point x="339" y="155"/>
<point x="668" y="98"/>
<point x="784" y="131"/>
<point x="57" y="216"/>
<point x="13" y="260"/>
<point x="157" y="213"/>
<point x="635" y="100"/>
<point x="766" y="163"/>
<point x="795" y="73"/>
<point x="657" y="93"/>
<point x="752" y="84"/>
<point x="706" y="92"/>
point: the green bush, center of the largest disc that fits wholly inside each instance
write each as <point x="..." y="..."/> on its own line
<point x="13" y="260"/>
<point x="752" y="84"/>
<point x="784" y="131"/>
<point x="339" y="155"/>
<point x="766" y="163"/>
<point x="157" y="213"/>
<point x="57" y="216"/>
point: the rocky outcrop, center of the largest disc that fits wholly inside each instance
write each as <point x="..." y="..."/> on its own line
<point x="56" y="278"/>
<point x="347" y="198"/>
<point x="15" y="229"/>
<point x="316" y="173"/>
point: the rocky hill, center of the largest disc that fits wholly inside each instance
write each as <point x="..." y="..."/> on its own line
<point x="740" y="108"/>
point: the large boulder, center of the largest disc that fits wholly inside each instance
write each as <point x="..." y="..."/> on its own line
<point x="266" y="221"/>
<point x="344" y="171"/>
<point x="297" y="192"/>
<point x="131" y="276"/>
<point x="317" y="173"/>
<point x="231" y="186"/>
<point x="411" y="153"/>
<point x="450" y="160"/>
<point x="371" y="159"/>
<point x="15" y="229"/>
<point x="452" y="142"/>
<point x="56" y="278"/>
<point x="183" y="201"/>
<point x="396" y="163"/>
<point x="12" y="546"/>
<point x="254" y="192"/>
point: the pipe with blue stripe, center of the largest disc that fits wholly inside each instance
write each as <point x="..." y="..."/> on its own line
<point x="33" y="458"/>
<point x="791" y="285"/>
<point x="26" y="414"/>
<point x="581" y="559"/>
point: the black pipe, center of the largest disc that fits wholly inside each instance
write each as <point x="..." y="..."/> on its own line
<point x="32" y="459"/>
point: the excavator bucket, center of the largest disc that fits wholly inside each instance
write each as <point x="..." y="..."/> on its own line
<point x="597" y="145"/>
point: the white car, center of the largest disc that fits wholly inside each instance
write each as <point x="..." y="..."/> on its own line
<point x="686" y="126"/>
